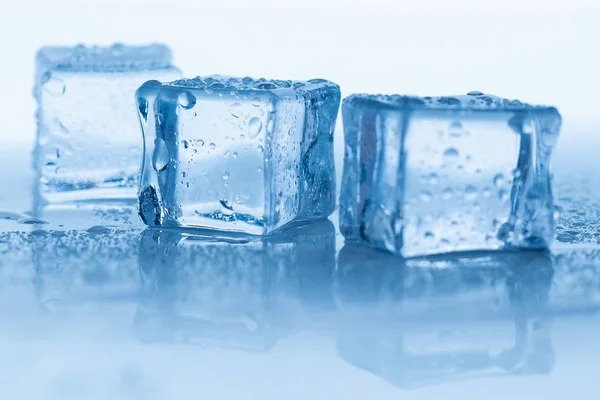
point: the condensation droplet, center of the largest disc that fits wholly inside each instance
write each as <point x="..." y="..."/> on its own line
<point x="503" y="194"/>
<point x="475" y="93"/>
<point x="270" y="126"/>
<point x="499" y="180"/>
<point x="235" y="154"/>
<point x="186" y="100"/>
<point x="447" y="193"/>
<point x="425" y="196"/>
<point x="254" y="127"/>
<point x="160" y="157"/>
<point x="236" y="110"/>
<point x="455" y="129"/>
<point x="185" y="144"/>
<point x="212" y="146"/>
<point x="470" y="192"/>
<point x="225" y="175"/>
<point x="450" y="155"/>
<point x="487" y="191"/>
<point x="260" y="149"/>
<point x="256" y="102"/>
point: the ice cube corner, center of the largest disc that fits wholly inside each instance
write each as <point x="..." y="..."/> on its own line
<point x="237" y="154"/>
<point x="442" y="174"/>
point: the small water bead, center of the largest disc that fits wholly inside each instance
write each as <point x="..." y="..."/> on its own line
<point x="254" y="127"/>
<point x="185" y="144"/>
<point x="186" y="100"/>
<point x="226" y="204"/>
<point x="470" y="192"/>
<point x="270" y="126"/>
<point x="425" y="196"/>
<point x="212" y="146"/>
<point x="226" y="154"/>
<point x="503" y="194"/>
<point x="499" y="180"/>
<point x="487" y="192"/>
<point x="160" y="157"/>
<point x="200" y="142"/>
<point x="475" y="93"/>
<point x="236" y="110"/>
<point x="455" y="129"/>
<point x="235" y="154"/>
<point x="447" y="193"/>
<point x="256" y="102"/>
<point x="259" y="169"/>
<point x="225" y="175"/>
<point x="260" y="149"/>
<point x="450" y="155"/>
<point x="432" y="179"/>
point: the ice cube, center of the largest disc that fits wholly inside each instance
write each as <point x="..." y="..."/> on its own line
<point x="88" y="144"/>
<point x="237" y="154"/>
<point x="440" y="174"/>
<point x="235" y="290"/>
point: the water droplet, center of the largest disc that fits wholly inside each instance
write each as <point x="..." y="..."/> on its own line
<point x="31" y="221"/>
<point x="450" y="155"/>
<point x="425" y="196"/>
<point x="475" y="93"/>
<point x="236" y="110"/>
<point x="503" y="194"/>
<point x="185" y="144"/>
<point x="447" y="193"/>
<point x="227" y="153"/>
<point x="195" y="114"/>
<point x="487" y="192"/>
<point x="259" y="169"/>
<point x="183" y="174"/>
<point x="117" y="49"/>
<point x="212" y="146"/>
<point x="260" y="149"/>
<point x="225" y="175"/>
<point x="428" y="235"/>
<point x="186" y="100"/>
<point x="226" y="204"/>
<point x="455" y="129"/>
<point x="565" y="237"/>
<point x="432" y="179"/>
<point x="270" y="126"/>
<point x="235" y="154"/>
<point x="160" y="157"/>
<point x="470" y="192"/>
<point x="254" y="127"/>
<point x="52" y="85"/>
<point x="499" y="180"/>
<point x="143" y="107"/>
<point x="256" y="102"/>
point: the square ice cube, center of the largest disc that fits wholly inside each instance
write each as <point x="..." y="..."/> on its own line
<point x="237" y="154"/>
<point x="88" y="143"/>
<point x="433" y="175"/>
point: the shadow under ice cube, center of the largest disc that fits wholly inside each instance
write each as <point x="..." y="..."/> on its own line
<point x="237" y="154"/>
<point x="434" y="175"/>
<point x="88" y="144"/>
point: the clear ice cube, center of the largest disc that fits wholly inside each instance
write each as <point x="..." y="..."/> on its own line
<point x="88" y="143"/>
<point x="237" y="154"/>
<point x="440" y="174"/>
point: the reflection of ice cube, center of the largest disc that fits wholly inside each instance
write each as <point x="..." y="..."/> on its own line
<point x="85" y="269"/>
<point x="231" y="291"/>
<point x="418" y="322"/>
<point x="237" y="154"/>
<point x="433" y="175"/>
<point x="88" y="145"/>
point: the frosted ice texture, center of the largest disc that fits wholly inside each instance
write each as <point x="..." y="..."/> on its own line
<point x="88" y="143"/>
